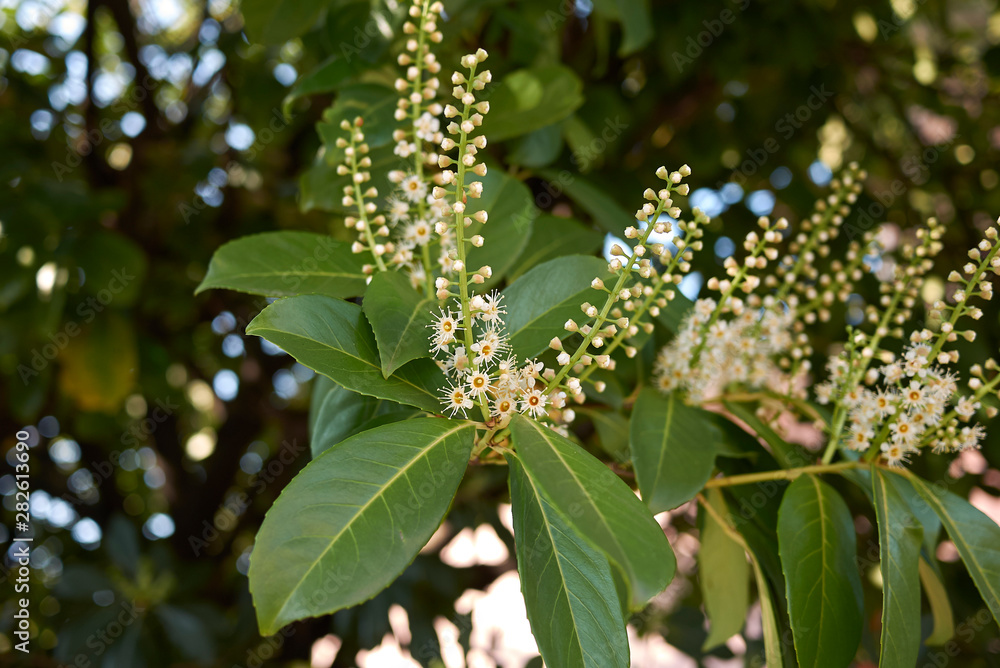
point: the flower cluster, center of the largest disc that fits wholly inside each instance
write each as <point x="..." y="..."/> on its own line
<point x="484" y="373"/>
<point x="741" y="337"/>
<point x="742" y="350"/>
<point x="912" y="401"/>
<point x="645" y="274"/>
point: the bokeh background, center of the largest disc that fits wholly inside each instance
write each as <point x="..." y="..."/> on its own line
<point x="136" y="136"/>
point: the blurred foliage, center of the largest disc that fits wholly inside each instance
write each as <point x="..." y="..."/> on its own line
<point x="163" y="433"/>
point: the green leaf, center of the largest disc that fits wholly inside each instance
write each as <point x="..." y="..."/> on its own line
<point x="598" y="505"/>
<point x="352" y="520"/>
<point x="399" y="316"/>
<point x="924" y="514"/>
<point x="937" y="596"/>
<point x="530" y="99"/>
<point x="787" y="454"/>
<point x="673" y="448"/>
<point x="612" y="432"/>
<point x="817" y="544"/>
<point x="539" y="148"/>
<point x="568" y="587"/>
<point x="553" y="237"/>
<point x="723" y="573"/>
<point x="282" y="264"/>
<point x="899" y="535"/>
<point x="376" y="104"/>
<point x="637" y="24"/>
<point x="336" y="413"/>
<point x="541" y="301"/>
<point x="975" y="535"/>
<point x="604" y="209"/>
<point x="277" y="21"/>
<point x="512" y="211"/>
<point x="327" y="76"/>
<point x="333" y="338"/>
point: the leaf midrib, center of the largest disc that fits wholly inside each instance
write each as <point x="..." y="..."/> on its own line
<point x="361" y="509"/>
<point x="344" y="352"/>
<point x="586" y="493"/>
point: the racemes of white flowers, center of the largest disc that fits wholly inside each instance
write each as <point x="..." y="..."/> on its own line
<point x="913" y="401"/>
<point x="739" y="337"/>
<point x="484" y="374"/>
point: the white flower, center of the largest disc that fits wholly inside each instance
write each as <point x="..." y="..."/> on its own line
<point x="405" y="149"/>
<point x="413" y="188"/>
<point x="503" y="406"/>
<point x="904" y="431"/>
<point x="457" y="401"/>
<point x="533" y="403"/>
<point x="426" y="127"/>
<point x="704" y="308"/>
<point x="487" y="347"/>
<point x="398" y="210"/>
<point x="418" y="233"/>
<point x="444" y="328"/>
<point x="966" y="407"/>
<point x="479" y="382"/>
<point x="969" y="437"/>
<point x="892" y="373"/>
<point x="860" y="437"/>
<point x="896" y="454"/>
<point x="490" y="307"/>
<point x="914" y="396"/>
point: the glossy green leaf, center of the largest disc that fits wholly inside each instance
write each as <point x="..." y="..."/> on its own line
<point x="332" y="337"/>
<point x="277" y="21"/>
<point x="376" y="104"/>
<point x="553" y="237"/>
<point x="282" y="264"/>
<point x="817" y="544"/>
<point x="399" y="316"/>
<point x="612" y="432"/>
<point x="723" y="575"/>
<point x="541" y="301"/>
<point x="937" y="597"/>
<point x="598" y="505"/>
<point x="512" y="213"/>
<point x="336" y="413"/>
<point x="530" y="99"/>
<point x="603" y="208"/>
<point x="352" y="520"/>
<point x="568" y="587"/>
<point x="328" y="76"/>
<point x="899" y="535"/>
<point x="787" y="454"/>
<point x="976" y="537"/>
<point x="637" y="25"/>
<point x="922" y="511"/>
<point x="673" y="448"/>
<point x="538" y="148"/>
<point x="769" y="619"/>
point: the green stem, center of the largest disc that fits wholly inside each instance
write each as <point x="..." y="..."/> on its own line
<point x="781" y="474"/>
<point x="609" y="302"/>
<point x="360" y="201"/>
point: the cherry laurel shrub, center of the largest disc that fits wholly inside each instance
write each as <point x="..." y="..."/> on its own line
<point x="426" y="365"/>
